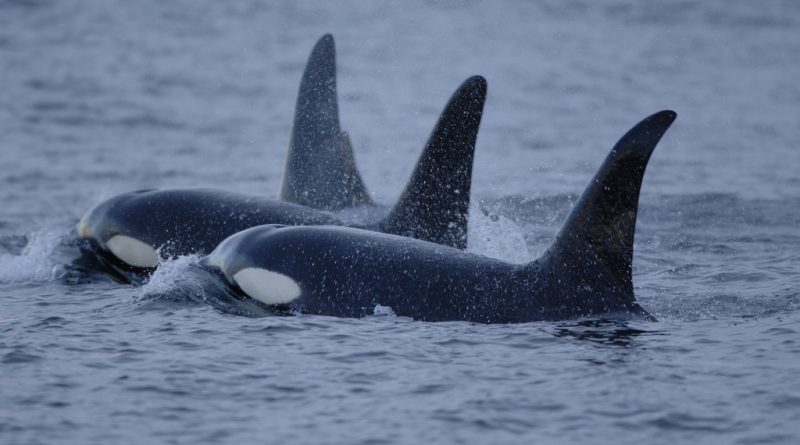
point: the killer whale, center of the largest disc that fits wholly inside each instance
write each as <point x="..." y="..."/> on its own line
<point x="347" y="272"/>
<point x="132" y="231"/>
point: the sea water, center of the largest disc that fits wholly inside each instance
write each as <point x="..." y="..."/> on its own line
<point x="98" y="98"/>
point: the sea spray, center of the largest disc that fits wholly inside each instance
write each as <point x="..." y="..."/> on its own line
<point x="35" y="262"/>
<point x="496" y="236"/>
<point x="173" y="275"/>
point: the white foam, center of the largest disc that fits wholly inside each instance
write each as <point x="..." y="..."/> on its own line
<point x="170" y="275"/>
<point x="383" y="311"/>
<point x="132" y="251"/>
<point x="35" y="263"/>
<point x="496" y="236"/>
<point x="267" y="286"/>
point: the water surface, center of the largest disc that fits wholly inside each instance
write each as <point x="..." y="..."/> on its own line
<point x="99" y="98"/>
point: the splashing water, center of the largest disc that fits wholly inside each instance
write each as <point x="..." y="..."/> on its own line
<point x="182" y="282"/>
<point x="35" y="262"/>
<point x="383" y="311"/>
<point x="171" y="275"/>
<point x="496" y="236"/>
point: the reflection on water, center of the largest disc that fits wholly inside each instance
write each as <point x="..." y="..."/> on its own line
<point x="604" y="332"/>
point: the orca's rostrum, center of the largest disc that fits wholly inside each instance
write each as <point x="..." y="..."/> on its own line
<point x="347" y="272"/>
<point x="133" y="231"/>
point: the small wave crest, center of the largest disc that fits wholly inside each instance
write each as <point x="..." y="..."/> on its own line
<point x="35" y="262"/>
<point x="383" y="311"/>
<point x="173" y="275"/>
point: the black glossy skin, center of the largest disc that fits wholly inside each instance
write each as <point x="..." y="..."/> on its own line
<point x="186" y="221"/>
<point x="346" y="272"/>
<point x="586" y="272"/>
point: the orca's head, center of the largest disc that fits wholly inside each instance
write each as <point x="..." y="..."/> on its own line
<point x="241" y="249"/>
<point x="248" y="265"/>
<point x="117" y="229"/>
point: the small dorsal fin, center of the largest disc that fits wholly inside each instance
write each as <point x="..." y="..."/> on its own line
<point x="596" y="243"/>
<point x="435" y="203"/>
<point x="320" y="167"/>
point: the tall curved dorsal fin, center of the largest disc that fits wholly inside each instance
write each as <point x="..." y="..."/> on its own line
<point x="320" y="167"/>
<point x="596" y="243"/>
<point x="435" y="202"/>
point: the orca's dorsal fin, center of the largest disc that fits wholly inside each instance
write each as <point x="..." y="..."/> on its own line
<point x="320" y="167"/>
<point x="434" y="205"/>
<point x="595" y="247"/>
<point x="356" y="191"/>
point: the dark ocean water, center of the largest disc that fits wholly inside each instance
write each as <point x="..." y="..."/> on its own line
<point x="98" y="98"/>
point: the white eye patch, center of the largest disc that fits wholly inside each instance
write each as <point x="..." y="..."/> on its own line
<point x="132" y="251"/>
<point x="267" y="286"/>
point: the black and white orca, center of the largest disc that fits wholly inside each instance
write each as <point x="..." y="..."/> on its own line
<point x="347" y="272"/>
<point x="133" y="231"/>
